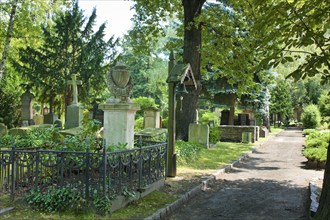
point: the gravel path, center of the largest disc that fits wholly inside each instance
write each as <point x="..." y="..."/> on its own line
<point x="271" y="183"/>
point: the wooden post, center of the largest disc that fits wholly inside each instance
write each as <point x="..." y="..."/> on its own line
<point x="171" y="157"/>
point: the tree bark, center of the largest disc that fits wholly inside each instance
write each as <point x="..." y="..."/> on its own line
<point x="323" y="211"/>
<point x="8" y="39"/>
<point x="191" y="54"/>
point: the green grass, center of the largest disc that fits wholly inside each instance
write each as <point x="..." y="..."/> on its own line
<point x="137" y="209"/>
<point x="219" y="156"/>
<point x="144" y="207"/>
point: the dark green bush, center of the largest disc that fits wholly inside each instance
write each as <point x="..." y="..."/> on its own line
<point x="144" y="103"/>
<point x="311" y="116"/>
<point x="317" y="145"/>
<point x="10" y="105"/>
<point x="214" y="135"/>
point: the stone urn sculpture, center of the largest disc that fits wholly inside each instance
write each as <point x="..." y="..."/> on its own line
<point x="120" y="84"/>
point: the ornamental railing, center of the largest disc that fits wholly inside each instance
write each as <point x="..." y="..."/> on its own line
<point x="104" y="173"/>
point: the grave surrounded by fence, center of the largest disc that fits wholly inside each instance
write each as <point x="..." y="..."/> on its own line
<point x="104" y="173"/>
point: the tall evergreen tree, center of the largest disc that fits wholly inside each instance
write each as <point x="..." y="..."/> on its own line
<point x="70" y="47"/>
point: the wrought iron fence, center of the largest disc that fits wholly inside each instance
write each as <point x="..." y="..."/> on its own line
<point x="105" y="173"/>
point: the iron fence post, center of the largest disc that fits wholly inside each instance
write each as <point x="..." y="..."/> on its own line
<point x="87" y="173"/>
<point x="37" y="168"/>
<point x="140" y="167"/>
<point x="13" y="173"/>
<point x="104" y="160"/>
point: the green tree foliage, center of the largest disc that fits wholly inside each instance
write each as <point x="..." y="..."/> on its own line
<point x="280" y="101"/>
<point x="292" y="30"/>
<point x="313" y="90"/>
<point x="70" y="47"/>
<point x="20" y="26"/>
<point x="9" y="104"/>
<point x="311" y="116"/>
<point x="324" y="105"/>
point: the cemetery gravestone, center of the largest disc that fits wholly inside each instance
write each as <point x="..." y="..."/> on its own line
<point x="224" y="117"/>
<point x="27" y="112"/>
<point x="119" y="110"/>
<point x="263" y="132"/>
<point x="199" y="133"/>
<point x="152" y="118"/>
<point x="74" y="114"/>
<point x="243" y="119"/>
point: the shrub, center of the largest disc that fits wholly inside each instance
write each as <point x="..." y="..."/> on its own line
<point x="307" y="131"/>
<point x="214" y="135"/>
<point x="317" y="145"/>
<point x="164" y="122"/>
<point x="324" y="105"/>
<point x="144" y="103"/>
<point x="318" y="154"/>
<point x="55" y="199"/>
<point x="187" y="151"/>
<point x="210" y="116"/>
<point x="138" y="124"/>
<point x="311" y="116"/>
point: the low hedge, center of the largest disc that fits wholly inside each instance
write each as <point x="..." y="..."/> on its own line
<point x="317" y="146"/>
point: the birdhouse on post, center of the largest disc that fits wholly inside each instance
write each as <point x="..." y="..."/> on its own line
<point x="180" y="76"/>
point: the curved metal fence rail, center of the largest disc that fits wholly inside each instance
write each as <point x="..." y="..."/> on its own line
<point x="103" y="173"/>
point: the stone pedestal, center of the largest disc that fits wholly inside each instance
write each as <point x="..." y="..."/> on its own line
<point x="152" y="118"/>
<point x="119" y="123"/>
<point x="74" y="116"/>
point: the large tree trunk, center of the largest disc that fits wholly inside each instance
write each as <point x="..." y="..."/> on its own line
<point x="191" y="54"/>
<point x="323" y="211"/>
<point x="8" y="39"/>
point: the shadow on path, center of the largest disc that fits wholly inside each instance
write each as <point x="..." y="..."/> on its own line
<point x="247" y="199"/>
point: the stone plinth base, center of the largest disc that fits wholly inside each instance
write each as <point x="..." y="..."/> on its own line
<point x="119" y="123"/>
<point x="74" y="116"/>
<point x="234" y="133"/>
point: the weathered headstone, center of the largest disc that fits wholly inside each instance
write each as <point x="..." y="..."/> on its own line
<point x="243" y="119"/>
<point x="3" y="129"/>
<point x="27" y="112"/>
<point x="263" y="132"/>
<point x="50" y="118"/>
<point x="224" y="120"/>
<point x="119" y="110"/>
<point x="74" y="113"/>
<point x="199" y="133"/>
<point x="152" y="118"/>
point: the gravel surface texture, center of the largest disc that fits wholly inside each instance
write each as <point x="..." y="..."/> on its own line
<point x="270" y="183"/>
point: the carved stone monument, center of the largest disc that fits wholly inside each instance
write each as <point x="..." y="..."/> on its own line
<point x="119" y="110"/>
<point x="74" y="113"/>
<point x="27" y="112"/>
